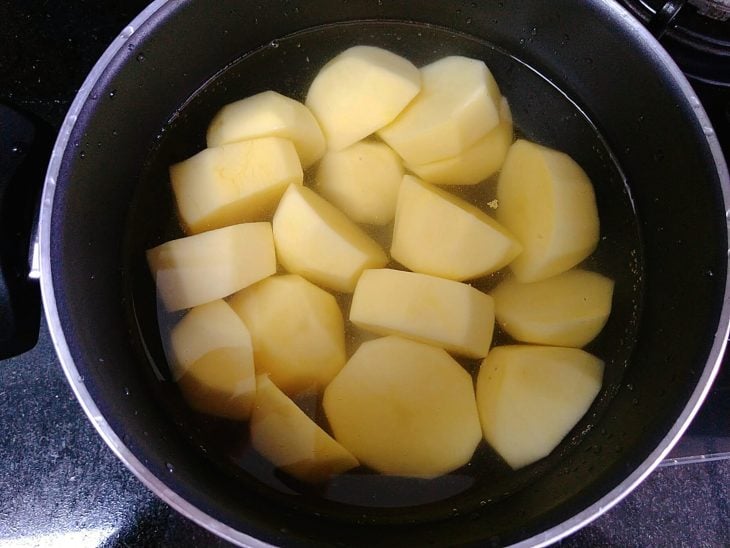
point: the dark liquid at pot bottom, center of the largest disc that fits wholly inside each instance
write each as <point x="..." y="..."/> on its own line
<point x="541" y="112"/>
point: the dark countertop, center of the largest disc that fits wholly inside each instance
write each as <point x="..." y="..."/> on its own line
<point x="62" y="485"/>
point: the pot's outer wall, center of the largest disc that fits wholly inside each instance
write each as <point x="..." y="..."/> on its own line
<point x="586" y="49"/>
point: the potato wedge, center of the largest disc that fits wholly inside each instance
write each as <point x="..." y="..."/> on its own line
<point x="362" y="180"/>
<point x="547" y="201"/>
<point x="297" y="331"/>
<point x="404" y="408"/>
<point x="443" y="313"/>
<point x="531" y="397"/>
<point x="290" y="440"/>
<point x="212" y="361"/>
<point x="358" y="92"/>
<point x="234" y="183"/>
<point x="316" y="240"/>
<point x="457" y="106"/>
<point x="269" y="114"/>
<point x="201" y="268"/>
<point x="569" y="309"/>
<point x="439" y="234"/>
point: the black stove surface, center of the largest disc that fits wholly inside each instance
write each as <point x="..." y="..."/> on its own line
<point x="62" y="486"/>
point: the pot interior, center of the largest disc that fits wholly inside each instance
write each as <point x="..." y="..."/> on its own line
<point x="663" y="241"/>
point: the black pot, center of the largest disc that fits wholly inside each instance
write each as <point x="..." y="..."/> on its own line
<point x="583" y="77"/>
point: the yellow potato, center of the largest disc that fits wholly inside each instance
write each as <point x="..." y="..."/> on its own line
<point x="443" y="313"/>
<point x="530" y="398"/>
<point x="290" y="440"/>
<point x="297" y="331"/>
<point x="569" y="309"/>
<point x="404" y="408"/>
<point x="358" y="92"/>
<point x="478" y="162"/>
<point x="198" y="269"/>
<point x="316" y="240"/>
<point x="234" y="183"/>
<point x="439" y="234"/>
<point x="212" y="360"/>
<point x="457" y="106"/>
<point x="269" y="114"/>
<point x="547" y="201"/>
<point x="362" y="180"/>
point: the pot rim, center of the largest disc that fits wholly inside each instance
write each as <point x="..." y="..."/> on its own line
<point x="235" y="536"/>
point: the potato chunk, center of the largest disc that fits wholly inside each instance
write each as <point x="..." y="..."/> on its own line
<point x="297" y="331"/>
<point x="530" y="398"/>
<point x="234" y="183"/>
<point x="290" y="440"/>
<point x="547" y="201"/>
<point x="404" y="409"/>
<point x="316" y="240"/>
<point x="478" y="162"/>
<point x="363" y="181"/>
<point x="439" y="234"/>
<point x="212" y="360"/>
<point x="432" y="310"/>
<point x="358" y="92"/>
<point x="212" y="265"/>
<point x="457" y="106"/>
<point x="569" y="309"/>
<point x="269" y="114"/>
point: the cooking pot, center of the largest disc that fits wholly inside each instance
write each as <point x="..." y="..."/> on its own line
<point x="581" y="75"/>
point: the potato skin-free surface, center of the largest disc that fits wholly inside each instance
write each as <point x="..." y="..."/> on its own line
<point x="290" y="440"/>
<point x="404" y="408"/>
<point x="530" y="398"/>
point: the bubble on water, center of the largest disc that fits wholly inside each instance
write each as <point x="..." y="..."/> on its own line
<point x="140" y="57"/>
<point x="170" y="467"/>
<point x="274" y="44"/>
<point x="112" y="94"/>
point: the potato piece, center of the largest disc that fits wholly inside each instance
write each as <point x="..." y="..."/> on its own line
<point x="439" y="234"/>
<point x="569" y="309"/>
<point x="315" y="239"/>
<point x="290" y="440"/>
<point x="530" y="398"/>
<point x="443" y="313"/>
<point x="234" y="183"/>
<point x="212" y="360"/>
<point x="363" y="181"/>
<point x="457" y="106"/>
<point x="212" y="265"/>
<point x="297" y="330"/>
<point x="269" y="114"/>
<point x="404" y="409"/>
<point x="358" y="92"/>
<point x="547" y="201"/>
<point x="478" y="162"/>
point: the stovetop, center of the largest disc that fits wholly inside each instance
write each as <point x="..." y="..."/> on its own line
<point x="62" y="485"/>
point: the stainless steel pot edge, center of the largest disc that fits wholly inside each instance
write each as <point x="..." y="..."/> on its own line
<point x="190" y="511"/>
<point x="719" y="345"/>
<point x="53" y="319"/>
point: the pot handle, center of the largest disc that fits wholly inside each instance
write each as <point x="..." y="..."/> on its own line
<point x="23" y="159"/>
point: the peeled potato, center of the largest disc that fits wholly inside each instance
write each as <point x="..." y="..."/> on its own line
<point x="290" y="440"/>
<point x="358" y="92"/>
<point x="234" y="183"/>
<point x="212" y="361"/>
<point x="316" y="240"/>
<point x="569" y="309"/>
<point x="530" y="398"/>
<point x="269" y="114"/>
<point x="297" y="331"/>
<point x="448" y="314"/>
<point x="362" y="180"/>
<point x="404" y="409"/>
<point x="439" y="234"/>
<point x="457" y="106"/>
<point x="198" y="269"/>
<point x="478" y="162"/>
<point x="547" y="201"/>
